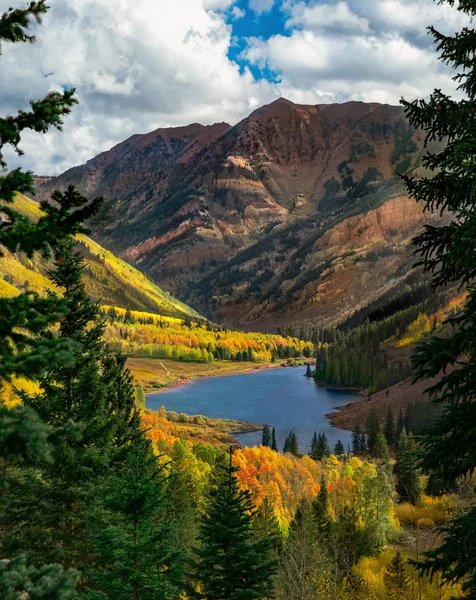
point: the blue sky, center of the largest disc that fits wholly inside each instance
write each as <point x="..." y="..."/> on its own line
<point x="138" y="65"/>
<point x="252" y="25"/>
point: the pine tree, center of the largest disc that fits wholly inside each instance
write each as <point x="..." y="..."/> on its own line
<point x="321" y="507"/>
<point x="22" y="318"/>
<point x="405" y="469"/>
<point x="274" y="445"/>
<point x="313" y="453"/>
<point x="96" y="391"/>
<point x="322" y="448"/>
<point x="19" y="580"/>
<point x="231" y="564"/>
<point x="132" y="543"/>
<point x="266" y="525"/>
<point x="27" y="347"/>
<point x="380" y="451"/>
<point x="293" y="444"/>
<point x="400" y="427"/>
<point x="266" y="439"/>
<point x="396" y="579"/>
<point x="339" y="448"/>
<point x="372" y="429"/>
<point x="286" y="443"/>
<point x="389" y="428"/>
<point x="356" y="448"/>
<point x="363" y="443"/>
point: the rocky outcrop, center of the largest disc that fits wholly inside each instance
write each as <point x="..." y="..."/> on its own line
<point x="261" y="220"/>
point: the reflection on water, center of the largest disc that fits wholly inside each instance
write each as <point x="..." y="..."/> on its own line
<point x="281" y="397"/>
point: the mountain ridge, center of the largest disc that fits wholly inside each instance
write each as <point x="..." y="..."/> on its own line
<point x="182" y="204"/>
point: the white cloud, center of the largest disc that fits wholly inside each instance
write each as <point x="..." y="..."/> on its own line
<point x="261" y="6"/>
<point x="217" y="4"/>
<point x="142" y="64"/>
<point x="237" y="13"/>
<point x="337" y="17"/>
<point x="136" y="65"/>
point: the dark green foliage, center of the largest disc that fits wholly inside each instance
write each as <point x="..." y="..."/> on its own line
<point x="354" y="358"/>
<point x="323" y="450"/>
<point x="396" y="579"/>
<point x="25" y="348"/>
<point x="456" y="557"/>
<point x="349" y="541"/>
<point x="405" y="469"/>
<point x="132" y="544"/>
<point x="95" y="391"/>
<point x="380" y="449"/>
<point x="231" y="564"/>
<point x="372" y="429"/>
<point x="19" y="580"/>
<point x="313" y="452"/>
<point x="266" y="439"/>
<point x="274" y="445"/>
<point x="266" y="525"/>
<point x="320" y="507"/>
<point x="448" y="253"/>
<point x="291" y="444"/>
<point x="359" y="442"/>
<point x="23" y="351"/>
<point x="389" y="430"/>
<point x="339" y="448"/>
<point x="421" y="416"/>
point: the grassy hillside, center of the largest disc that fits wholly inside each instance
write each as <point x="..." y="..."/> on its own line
<point x="108" y="279"/>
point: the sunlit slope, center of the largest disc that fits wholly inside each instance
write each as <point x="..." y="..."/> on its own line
<point x="108" y="279"/>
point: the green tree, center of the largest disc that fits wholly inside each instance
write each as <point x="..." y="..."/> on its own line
<point x="274" y="445"/>
<point x="321" y="509"/>
<point x="19" y="580"/>
<point x="406" y="471"/>
<point x="22" y="318"/>
<point x="322" y="448"/>
<point x="132" y="542"/>
<point x="339" y="448"/>
<point x="266" y="525"/>
<point x="396" y="579"/>
<point x="266" y="438"/>
<point x="372" y="429"/>
<point x="390" y="428"/>
<point x="231" y="564"/>
<point x="96" y="391"/>
<point x="27" y="347"/>
<point x="313" y="452"/>
<point x="356" y="448"/>
<point x="380" y="451"/>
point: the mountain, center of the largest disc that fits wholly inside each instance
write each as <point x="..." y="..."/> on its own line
<point x="295" y="213"/>
<point x="109" y="280"/>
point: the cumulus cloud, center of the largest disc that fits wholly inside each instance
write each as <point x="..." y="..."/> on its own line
<point x="359" y="49"/>
<point x="260" y="6"/>
<point x="136" y="65"/>
<point x="142" y="64"/>
<point x="336" y="17"/>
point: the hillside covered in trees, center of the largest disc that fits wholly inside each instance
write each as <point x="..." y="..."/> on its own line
<point x="101" y="499"/>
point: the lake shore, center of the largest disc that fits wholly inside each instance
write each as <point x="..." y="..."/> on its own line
<point x="155" y="375"/>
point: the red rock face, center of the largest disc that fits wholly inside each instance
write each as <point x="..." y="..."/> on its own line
<point x="228" y="218"/>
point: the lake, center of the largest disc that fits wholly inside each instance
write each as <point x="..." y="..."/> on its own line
<point x="282" y="397"/>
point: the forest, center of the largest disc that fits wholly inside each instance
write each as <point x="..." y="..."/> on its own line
<point x="149" y="335"/>
<point x="358" y="357"/>
<point x="101" y="499"/>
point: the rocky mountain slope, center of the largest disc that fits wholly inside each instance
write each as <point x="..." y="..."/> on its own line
<point x="295" y="213"/>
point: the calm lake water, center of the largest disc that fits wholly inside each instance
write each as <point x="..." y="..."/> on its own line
<point x="281" y="397"/>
